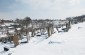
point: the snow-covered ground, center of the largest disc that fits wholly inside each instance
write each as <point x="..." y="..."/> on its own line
<point x="64" y="43"/>
<point x="8" y="45"/>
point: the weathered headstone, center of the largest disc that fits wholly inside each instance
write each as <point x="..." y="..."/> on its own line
<point x="15" y="40"/>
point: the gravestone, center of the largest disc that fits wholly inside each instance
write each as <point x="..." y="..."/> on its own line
<point x="15" y="40"/>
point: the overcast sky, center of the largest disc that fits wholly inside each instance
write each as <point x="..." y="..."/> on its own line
<point x="41" y="9"/>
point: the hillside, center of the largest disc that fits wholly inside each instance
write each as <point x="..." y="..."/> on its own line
<point x="64" y="43"/>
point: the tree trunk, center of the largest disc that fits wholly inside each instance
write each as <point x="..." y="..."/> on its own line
<point x="52" y="30"/>
<point x="33" y="33"/>
<point x="48" y="30"/>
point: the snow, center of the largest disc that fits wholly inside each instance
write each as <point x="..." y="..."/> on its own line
<point x="2" y="45"/>
<point x="64" y="43"/>
<point x="8" y="24"/>
<point x="11" y="31"/>
<point x="10" y="27"/>
<point x="3" y="25"/>
<point x="1" y="48"/>
<point x="3" y="35"/>
<point x="69" y="43"/>
<point x="18" y="28"/>
<point x="55" y="30"/>
<point x="0" y="33"/>
<point x="23" y="40"/>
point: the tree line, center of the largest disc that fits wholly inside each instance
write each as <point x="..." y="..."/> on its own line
<point x="76" y="19"/>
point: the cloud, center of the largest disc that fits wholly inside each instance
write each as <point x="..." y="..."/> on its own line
<point x="57" y="5"/>
<point x="43" y="4"/>
<point x="74" y="2"/>
<point x="47" y="8"/>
